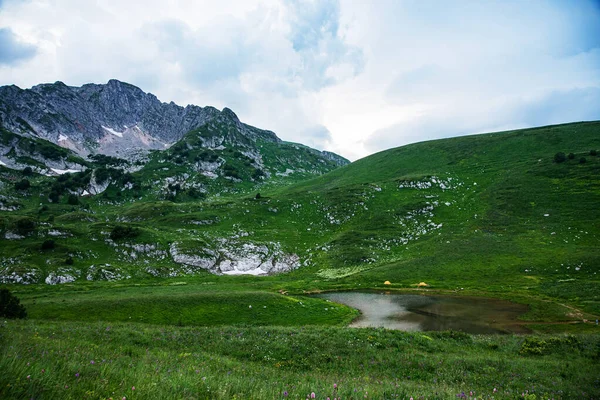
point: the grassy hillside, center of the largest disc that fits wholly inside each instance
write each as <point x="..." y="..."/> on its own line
<point x="489" y="215"/>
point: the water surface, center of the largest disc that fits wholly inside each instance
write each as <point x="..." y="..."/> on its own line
<point x="409" y="312"/>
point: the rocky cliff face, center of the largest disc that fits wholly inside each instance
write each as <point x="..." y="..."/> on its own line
<point x="106" y="118"/>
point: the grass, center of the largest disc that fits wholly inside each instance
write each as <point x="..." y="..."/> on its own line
<point x="99" y="360"/>
<point x="485" y="216"/>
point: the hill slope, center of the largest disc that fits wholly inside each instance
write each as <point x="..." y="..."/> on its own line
<point x="491" y="211"/>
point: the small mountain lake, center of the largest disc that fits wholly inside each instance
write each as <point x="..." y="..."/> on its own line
<point x="408" y="312"/>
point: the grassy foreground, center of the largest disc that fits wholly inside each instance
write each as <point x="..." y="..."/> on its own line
<point x="68" y="360"/>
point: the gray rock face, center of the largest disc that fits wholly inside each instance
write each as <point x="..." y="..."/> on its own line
<point x="231" y="257"/>
<point x="97" y="118"/>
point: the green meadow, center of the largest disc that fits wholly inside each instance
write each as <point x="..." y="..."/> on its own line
<point x="491" y="215"/>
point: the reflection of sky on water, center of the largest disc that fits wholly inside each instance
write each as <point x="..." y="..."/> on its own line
<point x="430" y="313"/>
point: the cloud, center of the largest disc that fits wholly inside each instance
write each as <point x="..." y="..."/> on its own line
<point x="12" y="51"/>
<point x="315" y="37"/>
<point x="316" y="136"/>
<point x="554" y="107"/>
<point x="307" y="53"/>
<point x="579" y="104"/>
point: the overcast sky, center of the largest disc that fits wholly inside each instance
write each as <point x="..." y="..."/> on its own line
<point x="353" y="77"/>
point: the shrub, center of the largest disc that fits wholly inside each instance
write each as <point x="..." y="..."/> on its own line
<point x="73" y="200"/>
<point x="582" y="160"/>
<point x="560" y="157"/>
<point x="10" y="305"/>
<point x="593" y="153"/>
<point x="534" y="346"/>
<point x="102" y="174"/>
<point x="258" y="174"/>
<point x="195" y="193"/>
<point x="27" y="171"/>
<point x="69" y="260"/>
<point x="124" y="232"/>
<point x="23" y="184"/>
<point x="231" y="171"/>
<point x="571" y="156"/>
<point x="54" y="196"/>
<point x="48" y="244"/>
<point x="24" y="226"/>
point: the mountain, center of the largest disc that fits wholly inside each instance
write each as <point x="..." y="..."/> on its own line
<point x="113" y="119"/>
<point x="104" y="119"/>
<point x="503" y="210"/>
<point x="107" y="132"/>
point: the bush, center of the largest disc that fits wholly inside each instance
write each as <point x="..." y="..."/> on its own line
<point x="534" y="346"/>
<point x="124" y="232"/>
<point x="10" y="305"/>
<point x="102" y="174"/>
<point x="582" y="160"/>
<point x="48" y="244"/>
<point x="69" y="260"/>
<point x="195" y="193"/>
<point x="593" y="153"/>
<point x="23" y="184"/>
<point x="560" y="157"/>
<point x="24" y="226"/>
<point x="54" y="196"/>
<point x="571" y="156"/>
<point x="73" y="200"/>
<point x="258" y="174"/>
<point x="27" y="171"/>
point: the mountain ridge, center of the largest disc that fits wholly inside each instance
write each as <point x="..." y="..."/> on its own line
<point x="97" y="118"/>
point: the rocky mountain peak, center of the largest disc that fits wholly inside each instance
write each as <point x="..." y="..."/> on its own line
<point x="115" y="118"/>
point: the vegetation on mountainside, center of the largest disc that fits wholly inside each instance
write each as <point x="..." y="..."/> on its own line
<point x="488" y="215"/>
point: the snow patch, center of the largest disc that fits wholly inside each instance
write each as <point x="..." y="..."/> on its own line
<point x="2" y="163"/>
<point x="65" y="171"/>
<point x="109" y="130"/>
<point x="256" y="272"/>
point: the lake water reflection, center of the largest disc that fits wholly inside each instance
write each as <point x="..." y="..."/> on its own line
<point x="408" y="312"/>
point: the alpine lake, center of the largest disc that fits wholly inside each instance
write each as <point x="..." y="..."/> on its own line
<point x="411" y="312"/>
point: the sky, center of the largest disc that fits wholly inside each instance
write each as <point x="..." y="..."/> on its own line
<point x="349" y="76"/>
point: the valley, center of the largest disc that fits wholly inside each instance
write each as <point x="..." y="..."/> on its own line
<point x="192" y="266"/>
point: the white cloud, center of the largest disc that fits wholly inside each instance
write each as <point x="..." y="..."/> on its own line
<point x="352" y="77"/>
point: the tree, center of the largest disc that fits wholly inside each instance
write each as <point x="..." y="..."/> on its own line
<point x="582" y="160"/>
<point x="27" y="171"/>
<point x="73" y="200"/>
<point x="10" y="306"/>
<point x="48" y="244"/>
<point x="23" y="184"/>
<point x="560" y="157"/>
<point x="54" y="196"/>
<point x="258" y="196"/>
<point x="593" y="153"/>
<point x="124" y="232"/>
<point x="24" y="226"/>
<point x="571" y="156"/>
